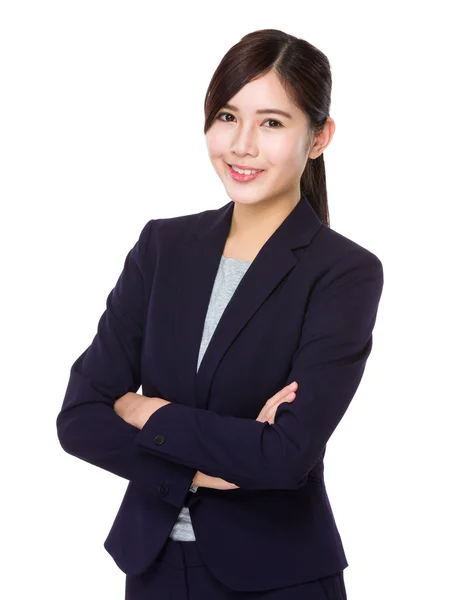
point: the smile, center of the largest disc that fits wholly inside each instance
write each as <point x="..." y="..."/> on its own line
<point x="243" y="177"/>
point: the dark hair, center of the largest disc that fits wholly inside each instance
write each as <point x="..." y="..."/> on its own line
<point x="305" y="74"/>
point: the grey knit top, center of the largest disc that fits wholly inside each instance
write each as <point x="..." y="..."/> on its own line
<point x="230" y="272"/>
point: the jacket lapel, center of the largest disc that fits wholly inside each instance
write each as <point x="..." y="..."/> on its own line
<point x="198" y="264"/>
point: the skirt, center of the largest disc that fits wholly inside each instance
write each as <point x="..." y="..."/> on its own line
<point x="180" y="574"/>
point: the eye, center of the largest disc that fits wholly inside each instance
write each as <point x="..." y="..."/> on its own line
<point x="272" y="120"/>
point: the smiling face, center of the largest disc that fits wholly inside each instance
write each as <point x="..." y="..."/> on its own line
<point x="274" y="142"/>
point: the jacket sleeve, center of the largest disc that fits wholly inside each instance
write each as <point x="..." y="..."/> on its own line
<point x="87" y="425"/>
<point x="328" y="365"/>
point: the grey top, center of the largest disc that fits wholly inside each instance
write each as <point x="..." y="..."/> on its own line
<point x="230" y="272"/>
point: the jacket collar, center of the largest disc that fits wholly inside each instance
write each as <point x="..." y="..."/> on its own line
<point x="199" y="260"/>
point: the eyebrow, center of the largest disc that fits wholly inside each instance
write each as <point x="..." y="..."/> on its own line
<point x="263" y="111"/>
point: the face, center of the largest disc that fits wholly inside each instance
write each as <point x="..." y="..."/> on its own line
<point x="279" y="145"/>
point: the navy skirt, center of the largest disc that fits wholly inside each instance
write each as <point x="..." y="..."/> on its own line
<point x="180" y="574"/>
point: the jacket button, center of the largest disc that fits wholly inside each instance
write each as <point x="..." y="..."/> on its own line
<point x="163" y="490"/>
<point x="159" y="439"/>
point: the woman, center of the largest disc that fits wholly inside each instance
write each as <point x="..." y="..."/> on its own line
<point x="222" y="503"/>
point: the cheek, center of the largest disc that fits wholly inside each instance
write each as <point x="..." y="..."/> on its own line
<point x="303" y="148"/>
<point x="284" y="154"/>
<point x="216" y="144"/>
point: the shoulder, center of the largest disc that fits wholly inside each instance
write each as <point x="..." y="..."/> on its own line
<point x="343" y="265"/>
<point x="338" y="248"/>
<point x="164" y="236"/>
<point x="167" y="228"/>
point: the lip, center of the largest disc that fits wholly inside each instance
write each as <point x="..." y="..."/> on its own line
<point x="244" y="167"/>
<point x="242" y="177"/>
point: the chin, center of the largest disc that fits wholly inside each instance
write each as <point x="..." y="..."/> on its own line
<point x="246" y="199"/>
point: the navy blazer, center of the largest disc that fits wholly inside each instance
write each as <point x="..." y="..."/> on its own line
<point x="304" y="311"/>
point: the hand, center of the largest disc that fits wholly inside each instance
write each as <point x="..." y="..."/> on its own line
<point x="203" y="480"/>
<point x="136" y="409"/>
<point x="287" y="394"/>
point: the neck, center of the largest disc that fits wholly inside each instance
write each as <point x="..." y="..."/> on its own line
<point x="253" y="224"/>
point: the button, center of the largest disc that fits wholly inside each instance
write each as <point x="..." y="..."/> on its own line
<point x="163" y="490"/>
<point x="159" y="439"/>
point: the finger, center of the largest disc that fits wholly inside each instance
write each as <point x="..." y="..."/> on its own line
<point x="287" y="398"/>
<point x="269" y="413"/>
<point x="282" y="394"/>
<point x="271" y="405"/>
<point x="272" y="411"/>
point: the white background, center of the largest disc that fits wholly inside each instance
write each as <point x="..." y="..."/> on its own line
<point x="101" y="129"/>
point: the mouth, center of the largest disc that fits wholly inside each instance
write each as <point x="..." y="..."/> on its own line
<point x="243" y="177"/>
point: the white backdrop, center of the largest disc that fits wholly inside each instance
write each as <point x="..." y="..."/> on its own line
<point x="101" y="129"/>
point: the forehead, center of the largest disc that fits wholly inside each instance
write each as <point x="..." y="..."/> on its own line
<point x="263" y="93"/>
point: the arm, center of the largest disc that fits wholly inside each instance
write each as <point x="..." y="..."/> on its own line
<point x="87" y="425"/>
<point x="328" y="366"/>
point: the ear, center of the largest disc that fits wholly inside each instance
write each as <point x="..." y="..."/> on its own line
<point x="322" y="139"/>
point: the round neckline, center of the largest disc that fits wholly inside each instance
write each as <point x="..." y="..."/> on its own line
<point x="236" y="259"/>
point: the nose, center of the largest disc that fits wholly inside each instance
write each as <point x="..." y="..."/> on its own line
<point x="244" y="142"/>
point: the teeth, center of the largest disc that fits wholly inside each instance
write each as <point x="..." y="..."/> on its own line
<point x="245" y="172"/>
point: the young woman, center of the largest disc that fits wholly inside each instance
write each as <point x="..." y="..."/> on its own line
<point x="249" y="328"/>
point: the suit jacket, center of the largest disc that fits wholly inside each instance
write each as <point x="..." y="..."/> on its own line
<point x="304" y="311"/>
